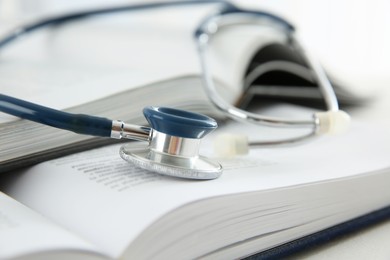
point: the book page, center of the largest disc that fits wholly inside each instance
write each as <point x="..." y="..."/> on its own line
<point x="108" y="202"/>
<point x="24" y="232"/>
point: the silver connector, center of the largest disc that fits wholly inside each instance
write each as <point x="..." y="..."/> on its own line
<point x="121" y="130"/>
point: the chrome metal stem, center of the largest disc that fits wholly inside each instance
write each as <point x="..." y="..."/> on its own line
<point x="121" y="130"/>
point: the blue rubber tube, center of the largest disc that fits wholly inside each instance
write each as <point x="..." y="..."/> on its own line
<point x="78" y="123"/>
<point x="84" y="14"/>
<point x="226" y="8"/>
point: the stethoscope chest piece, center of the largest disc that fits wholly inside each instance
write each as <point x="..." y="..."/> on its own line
<point x="174" y="145"/>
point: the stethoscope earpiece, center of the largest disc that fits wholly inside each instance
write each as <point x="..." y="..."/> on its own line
<point x="173" y="147"/>
<point x="228" y="145"/>
<point x="332" y="122"/>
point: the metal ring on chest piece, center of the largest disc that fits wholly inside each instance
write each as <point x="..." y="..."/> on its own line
<point x="174" y="145"/>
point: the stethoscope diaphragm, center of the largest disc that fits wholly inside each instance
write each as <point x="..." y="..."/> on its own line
<point x="197" y="167"/>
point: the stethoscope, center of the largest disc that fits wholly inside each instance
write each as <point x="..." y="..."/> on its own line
<point x="174" y="136"/>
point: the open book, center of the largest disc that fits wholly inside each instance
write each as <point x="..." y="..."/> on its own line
<point x="93" y="204"/>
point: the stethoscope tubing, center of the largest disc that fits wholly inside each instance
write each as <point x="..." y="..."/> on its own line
<point x="24" y="29"/>
<point x="78" y="123"/>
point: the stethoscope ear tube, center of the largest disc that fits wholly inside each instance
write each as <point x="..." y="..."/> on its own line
<point x="22" y="30"/>
<point x="204" y="35"/>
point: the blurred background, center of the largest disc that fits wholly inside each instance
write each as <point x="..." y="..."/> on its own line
<point x="350" y="39"/>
